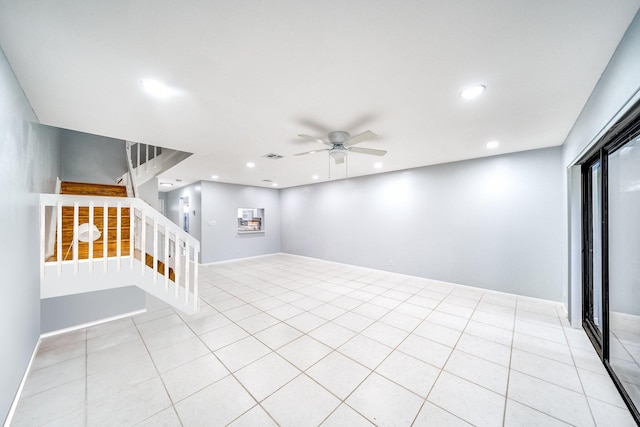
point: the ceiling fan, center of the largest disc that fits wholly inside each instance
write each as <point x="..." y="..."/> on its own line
<point x="342" y="143"/>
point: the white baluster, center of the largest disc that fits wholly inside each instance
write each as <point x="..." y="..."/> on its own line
<point x="105" y="235"/>
<point x="155" y="250"/>
<point x="132" y="221"/>
<point x="42" y="238"/>
<point x="143" y="242"/>
<point x="195" y="278"/>
<point x="74" y="242"/>
<point x="91" y="237"/>
<point x="186" y="273"/>
<point x="59" y="237"/>
<point x="155" y="156"/>
<point x="118" y="234"/>
<point x="166" y="258"/>
<point x="138" y="159"/>
<point x="178" y="255"/>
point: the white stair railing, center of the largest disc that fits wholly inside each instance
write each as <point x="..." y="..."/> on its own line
<point x="150" y="234"/>
<point x="145" y="161"/>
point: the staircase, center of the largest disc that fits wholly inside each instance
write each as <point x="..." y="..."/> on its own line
<point x="133" y="245"/>
<point x="86" y="189"/>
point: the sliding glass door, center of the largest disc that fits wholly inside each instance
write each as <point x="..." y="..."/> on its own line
<point x="623" y="203"/>
<point x="611" y="254"/>
<point x="592" y="312"/>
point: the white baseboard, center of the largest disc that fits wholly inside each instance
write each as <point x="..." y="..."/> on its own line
<point x="16" y="399"/>
<point x="240" y="259"/>
<point x="94" y="323"/>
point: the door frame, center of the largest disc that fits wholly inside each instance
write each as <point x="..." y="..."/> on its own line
<point x="625" y="130"/>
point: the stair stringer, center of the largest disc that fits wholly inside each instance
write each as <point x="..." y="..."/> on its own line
<point x="72" y="281"/>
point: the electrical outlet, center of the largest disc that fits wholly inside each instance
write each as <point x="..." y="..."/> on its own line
<point x="390" y="262"/>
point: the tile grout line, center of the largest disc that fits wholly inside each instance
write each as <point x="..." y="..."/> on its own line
<point x="304" y="372"/>
<point x="86" y="378"/>
<point x="417" y="290"/>
<point x="584" y="392"/>
<point x="506" y="391"/>
<point x="344" y="401"/>
<point x="231" y="373"/>
<point x="166" y="390"/>
<point x="445" y="364"/>
<point x="540" y="379"/>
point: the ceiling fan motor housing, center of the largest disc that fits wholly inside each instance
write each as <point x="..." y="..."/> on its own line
<point x="339" y="137"/>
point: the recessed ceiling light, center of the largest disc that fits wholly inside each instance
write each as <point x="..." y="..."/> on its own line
<point x="166" y="184"/>
<point x="275" y="184"/>
<point x="472" y="91"/>
<point x="314" y="177"/>
<point x="156" y="88"/>
<point x="251" y="165"/>
<point x="214" y="176"/>
<point x="377" y="165"/>
<point x="492" y="144"/>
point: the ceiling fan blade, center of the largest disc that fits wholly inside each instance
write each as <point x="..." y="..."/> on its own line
<point x="313" y="138"/>
<point x="372" y="151"/>
<point x="310" y="152"/>
<point x="361" y="137"/>
<point x="339" y="160"/>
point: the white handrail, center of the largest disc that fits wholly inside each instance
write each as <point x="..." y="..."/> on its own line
<point x="131" y="180"/>
<point x="147" y="227"/>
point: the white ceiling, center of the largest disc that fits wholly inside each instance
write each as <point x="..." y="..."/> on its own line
<point x="251" y="75"/>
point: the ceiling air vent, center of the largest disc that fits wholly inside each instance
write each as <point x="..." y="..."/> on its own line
<point x="272" y="156"/>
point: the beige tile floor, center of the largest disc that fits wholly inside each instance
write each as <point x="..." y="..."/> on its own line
<point x="291" y="341"/>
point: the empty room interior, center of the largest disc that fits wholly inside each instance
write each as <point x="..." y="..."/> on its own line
<point x="305" y="213"/>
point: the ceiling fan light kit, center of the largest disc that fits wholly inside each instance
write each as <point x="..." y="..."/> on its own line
<point x="338" y="155"/>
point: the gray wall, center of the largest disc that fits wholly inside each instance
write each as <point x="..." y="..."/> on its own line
<point x="495" y="222"/>
<point x="617" y="90"/>
<point x="29" y="164"/>
<point x="612" y="96"/>
<point x="164" y="196"/>
<point x="63" y="312"/>
<point x="220" y="240"/>
<point x="92" y="158"/>
<point x="149" y="193"/>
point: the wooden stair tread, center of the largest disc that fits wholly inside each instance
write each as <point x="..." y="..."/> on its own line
<point x="149" y="263"/>
<point x="89" y="189"/>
